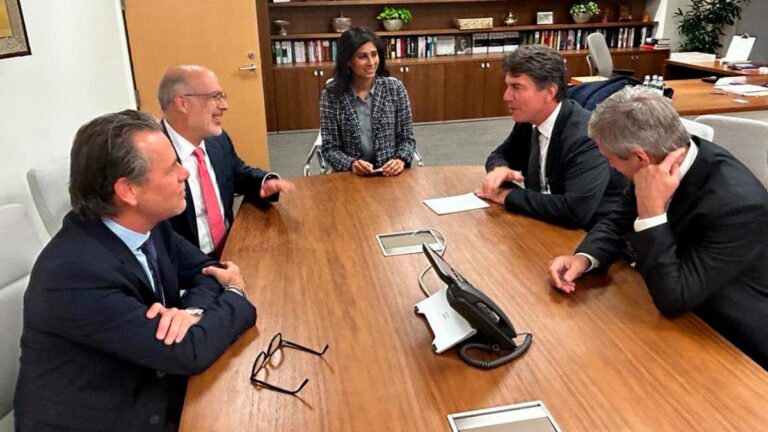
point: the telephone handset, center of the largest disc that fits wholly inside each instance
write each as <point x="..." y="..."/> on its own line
<point x="480" y="312"/>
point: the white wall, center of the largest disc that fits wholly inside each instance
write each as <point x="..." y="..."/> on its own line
<point x="79" y="68"/>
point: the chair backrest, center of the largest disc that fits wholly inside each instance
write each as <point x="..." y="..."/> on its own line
<point x="699" y="129"/>
<point x="599" y="55"/>
<point x="49" y="184"/>
<point x="315" y="151"/>
<point x="17" y="254"/>
<point x="745" y="139"/>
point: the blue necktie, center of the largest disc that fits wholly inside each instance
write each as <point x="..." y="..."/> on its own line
<point x="148" y="249"/>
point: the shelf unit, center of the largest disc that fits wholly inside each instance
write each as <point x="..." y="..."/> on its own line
<point x="310" y="20"/>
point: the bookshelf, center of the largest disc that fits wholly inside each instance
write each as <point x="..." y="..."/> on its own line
<point x="445" y="87"/>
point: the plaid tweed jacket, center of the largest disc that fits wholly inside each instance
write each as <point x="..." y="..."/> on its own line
<point x="391" y="124"/>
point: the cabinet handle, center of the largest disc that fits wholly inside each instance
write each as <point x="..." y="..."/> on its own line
<point x="482" y="65"/>
<point x="314" y="73"/>
<point x="250" y="67"/>
<point x="406" y="69"/>
<point x="322" y="73"/>
<point x="401" y="69"/>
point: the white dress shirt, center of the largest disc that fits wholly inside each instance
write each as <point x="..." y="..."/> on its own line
<point x="184" y="150"/>
<point x="545" y="134"/>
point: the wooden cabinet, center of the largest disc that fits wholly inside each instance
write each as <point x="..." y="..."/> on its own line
<point x="425" y="84"/>
<point x="297" y="96"/>
<point x="577" y="65"/>
<point x="474" y="89"/>
<point x="642" y="62"/>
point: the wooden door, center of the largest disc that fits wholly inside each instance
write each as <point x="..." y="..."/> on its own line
<point x="464" y="90"/>
<point x="297" y="98"/>
<point x="426" y="91"/>
<point x="222" y="36"/>
<point x="494" y="90"/>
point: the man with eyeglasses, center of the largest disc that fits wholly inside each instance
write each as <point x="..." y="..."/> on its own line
<point x="108" y="341"/>
<point x="193" y="105"/>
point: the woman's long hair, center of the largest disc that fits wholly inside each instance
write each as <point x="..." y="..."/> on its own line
<point x="349" y="42"/>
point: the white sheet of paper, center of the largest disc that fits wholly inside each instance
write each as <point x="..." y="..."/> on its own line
<point x="457" y="203"/>
<point x="745" y="89"/>
<point x="739" y="49"/>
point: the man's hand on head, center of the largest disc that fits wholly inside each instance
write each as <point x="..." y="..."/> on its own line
<point x="656" y="183"/>
<point x="174" y="323"/>
<point x="275" y="185"/>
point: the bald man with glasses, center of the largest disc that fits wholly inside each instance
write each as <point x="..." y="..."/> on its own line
<point x="193" y="105"/>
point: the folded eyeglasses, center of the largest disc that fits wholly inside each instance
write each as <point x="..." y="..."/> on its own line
<point x="263" y="358"/>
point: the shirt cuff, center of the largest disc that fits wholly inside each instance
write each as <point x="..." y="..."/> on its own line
<point x="593" y="262"/>
<point x="269" y="176"/>
<point x="195" y="311"/>
<point x="645" y="223"/>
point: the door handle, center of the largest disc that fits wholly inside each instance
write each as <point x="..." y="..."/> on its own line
<point x="250" y="67"/>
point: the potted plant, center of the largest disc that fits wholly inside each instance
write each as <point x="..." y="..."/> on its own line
<point x="702" y="25"/>
<point x="582" y="11"/>
<point x="394" y="18"/>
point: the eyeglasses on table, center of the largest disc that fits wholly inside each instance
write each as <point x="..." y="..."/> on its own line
<point x="263" y="357"/>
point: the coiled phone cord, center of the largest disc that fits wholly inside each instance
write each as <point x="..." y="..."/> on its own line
<point x="490" y="364"/>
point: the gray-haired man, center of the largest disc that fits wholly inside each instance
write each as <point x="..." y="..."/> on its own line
<point x="696" y="217"/>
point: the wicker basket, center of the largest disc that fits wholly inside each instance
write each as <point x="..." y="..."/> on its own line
<point x="473" y="23"/>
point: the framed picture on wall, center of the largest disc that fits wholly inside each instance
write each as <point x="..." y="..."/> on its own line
<point x="13" y="32"/>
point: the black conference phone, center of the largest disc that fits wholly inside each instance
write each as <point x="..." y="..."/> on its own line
<point x="481" y="313"/>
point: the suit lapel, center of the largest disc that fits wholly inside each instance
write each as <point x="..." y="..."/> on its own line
<point x="349" y="106"/>
<point x="122" y="254"/>
<point x="189" y="210"/>
<point x="556" y="141"/>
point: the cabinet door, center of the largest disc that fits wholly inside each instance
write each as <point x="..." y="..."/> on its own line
<point x="650" y="63"/>
<point x="577" y="65"/>
<point x="464" y="88"/>
<point x="297" y="98"/>
<point x="426" y="85"/>
<point x="625" y="61"/>
<point x="494" y="90"/>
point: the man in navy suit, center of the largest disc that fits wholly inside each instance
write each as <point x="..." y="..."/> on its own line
<point x="567" y="182"/>
<point x="193" y="105"/>
<point x="695" y="216"/>
<point x="107" y="340"/>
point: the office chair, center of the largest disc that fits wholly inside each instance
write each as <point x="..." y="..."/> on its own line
<point x="599" y="58"/>
<point x="745" y="139"/>
<point x="21" y="245"/>
<point x="699" y="129"/>
<point x="49" y="184"/>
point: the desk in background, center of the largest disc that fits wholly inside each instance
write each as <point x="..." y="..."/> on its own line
<point x="696" y="97"/>
<point x="602" y="359"/>
<point x="676" y="69"/>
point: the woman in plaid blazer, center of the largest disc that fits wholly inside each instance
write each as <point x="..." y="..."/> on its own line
<point x="365" y="116"/>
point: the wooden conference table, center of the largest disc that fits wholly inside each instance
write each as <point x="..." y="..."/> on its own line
<point x="602" y="358"/>
<point x="695" y="97"/>
<point x="678" y="69"/>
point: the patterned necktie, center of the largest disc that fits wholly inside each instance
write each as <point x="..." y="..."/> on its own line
<point x="148" y="249"/>
<point x="211" y="201"/>
<point x="533" y="176"/>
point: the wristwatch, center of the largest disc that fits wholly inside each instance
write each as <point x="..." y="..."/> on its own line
<point x="195" y="311"/>
<point x="236" y="289"/>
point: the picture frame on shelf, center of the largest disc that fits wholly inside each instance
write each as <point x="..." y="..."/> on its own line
<point x="13" y="31"/>
<point x="546" y="17"/>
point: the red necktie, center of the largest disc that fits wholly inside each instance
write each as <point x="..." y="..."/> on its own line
<point x="212" y="209"/>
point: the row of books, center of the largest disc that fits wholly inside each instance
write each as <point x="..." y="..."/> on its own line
<point x="324" y="50"/>
<point x="304" y="51"/>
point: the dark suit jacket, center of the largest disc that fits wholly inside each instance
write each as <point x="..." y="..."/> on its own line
<point x="233" y="176"/>
<point x="89" y="356"/>
<point x="712" y="255"/>
<point x="583" y="187"/>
